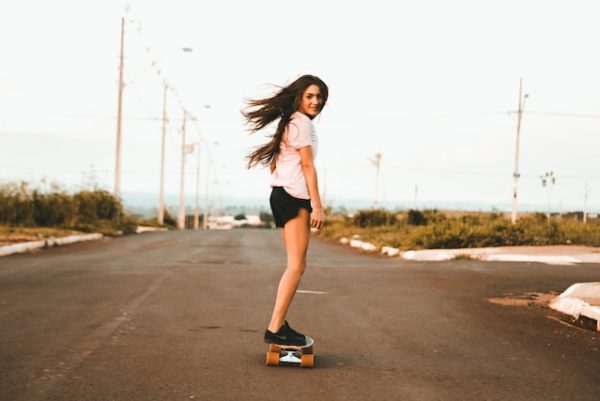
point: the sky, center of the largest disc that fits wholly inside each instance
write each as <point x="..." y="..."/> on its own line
<point x="431" y="85"/>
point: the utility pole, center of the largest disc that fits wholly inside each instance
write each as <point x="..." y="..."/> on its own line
<point x="516" y="174"/>
<point x="119" y="115"/>
<point x="161" y="204"/>
<point x="181" y="215"/>
<point x="585" y="198"/>
<point x="197" y="208"/>
<point x="377" y="162"/>
<point x="416" y="196"/>
<point x="205" y="217"/>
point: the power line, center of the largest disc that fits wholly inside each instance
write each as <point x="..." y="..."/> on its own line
<point x="154" y="118"/>
<point x="451" y="172"/>
<point x="560" y="114"/>
<point x="52" y="168"/>
<point x="421" y="117"/>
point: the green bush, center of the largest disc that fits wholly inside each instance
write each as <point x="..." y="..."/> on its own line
<point x="374" y="218"/>
<point x="170" y="221"/>
<point x="53" y="210"/>
<point x="416" y="218"/>
<point x="85" y="210"/>
<point x="96" y="205"/>
<point x="266" y="217"/>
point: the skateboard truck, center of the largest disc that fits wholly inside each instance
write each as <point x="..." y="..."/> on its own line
<point x="290" y="357"/>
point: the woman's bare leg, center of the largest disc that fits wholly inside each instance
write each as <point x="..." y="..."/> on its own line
<point x="296" y="237"/>
<point x="283" y="236"/>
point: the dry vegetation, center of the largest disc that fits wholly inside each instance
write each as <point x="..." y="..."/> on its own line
<point x="28" y="213"/>
<point x="431" y="229"/>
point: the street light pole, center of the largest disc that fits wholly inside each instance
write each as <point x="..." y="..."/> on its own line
<point x="548" y="180"/>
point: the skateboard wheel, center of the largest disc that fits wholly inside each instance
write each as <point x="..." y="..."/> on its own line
<point x="272" y="358"/>
<point x="307" y="361"/>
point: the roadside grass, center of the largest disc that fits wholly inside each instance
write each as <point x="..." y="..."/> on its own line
<point x="13" y="235"/>
<point x="432" y="229"/>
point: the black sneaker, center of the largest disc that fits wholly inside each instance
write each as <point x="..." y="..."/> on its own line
<point x="284" y="337"/>
<point x="294" y="332"/>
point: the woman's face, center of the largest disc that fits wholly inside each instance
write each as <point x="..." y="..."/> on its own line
<point x="311" y="101"/>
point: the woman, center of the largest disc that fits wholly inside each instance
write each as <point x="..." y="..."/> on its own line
<point x="295" y="200"/>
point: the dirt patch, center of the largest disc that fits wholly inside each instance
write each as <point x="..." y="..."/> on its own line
<point x="526" y="299"/>
<point x="466" y="256"/>
<point x="542" y="300"/>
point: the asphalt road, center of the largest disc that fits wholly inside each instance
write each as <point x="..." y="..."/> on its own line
<point x="180" y="316"/>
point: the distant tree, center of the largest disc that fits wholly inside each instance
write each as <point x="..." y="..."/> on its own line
<point x="240" y="216"/>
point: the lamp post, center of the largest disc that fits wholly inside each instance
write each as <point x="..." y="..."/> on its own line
<point x="197" y="207"/>
<point x="185" y="148"/>
<point x="548" y="180"/>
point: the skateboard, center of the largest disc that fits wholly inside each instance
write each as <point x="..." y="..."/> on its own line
<point x="292" y="354"/>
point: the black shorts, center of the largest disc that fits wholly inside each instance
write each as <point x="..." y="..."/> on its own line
<point x="285" y="207"/>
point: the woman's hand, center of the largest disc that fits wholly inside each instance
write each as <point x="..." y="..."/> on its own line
<point x="317" y="217"/>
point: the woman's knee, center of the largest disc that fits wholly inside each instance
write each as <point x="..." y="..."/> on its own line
<point x="296" y="267"/>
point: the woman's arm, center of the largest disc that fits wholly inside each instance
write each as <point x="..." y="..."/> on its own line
<point x="317" y="217"/>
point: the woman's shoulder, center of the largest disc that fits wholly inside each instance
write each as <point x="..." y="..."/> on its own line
<point x="301" y="119"/>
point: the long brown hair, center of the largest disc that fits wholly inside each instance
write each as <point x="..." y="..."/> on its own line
<point x="262" y="112"/>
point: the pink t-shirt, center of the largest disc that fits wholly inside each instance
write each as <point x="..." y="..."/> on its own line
<point x="288" y="173"/>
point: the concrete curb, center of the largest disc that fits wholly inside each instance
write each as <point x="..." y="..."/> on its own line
<point x="496" y="255"/>
<point x="148" y="229"/>
<point x="537" y="254"/>
<point x="47" y="243"/>
<point x="582" y="302"/>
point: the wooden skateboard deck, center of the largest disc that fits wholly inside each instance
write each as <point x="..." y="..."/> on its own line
<point x="292" y="354"/>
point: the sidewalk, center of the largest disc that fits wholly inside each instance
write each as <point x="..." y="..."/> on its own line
<point x="582" y="302"/>
<point x="46" y="243"/>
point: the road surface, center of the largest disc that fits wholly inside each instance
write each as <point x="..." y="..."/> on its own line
<point x="181" y="315"/>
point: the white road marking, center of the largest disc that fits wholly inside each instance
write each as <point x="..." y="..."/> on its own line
<point x="311" y="292"/>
